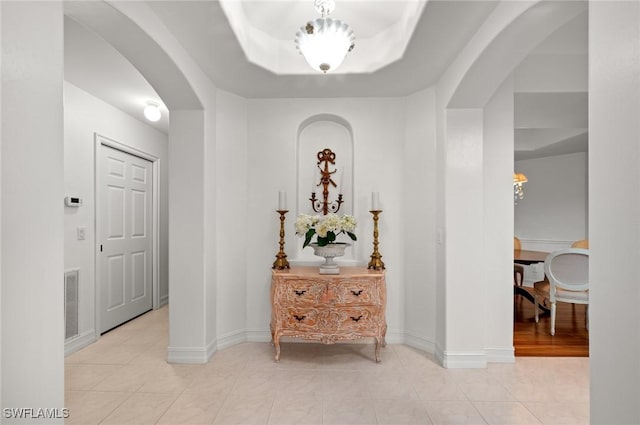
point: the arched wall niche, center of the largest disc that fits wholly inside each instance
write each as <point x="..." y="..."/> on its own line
<point x="316" y="133"/>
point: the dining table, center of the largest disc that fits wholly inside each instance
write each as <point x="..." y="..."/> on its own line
<point x="528" y="257"/>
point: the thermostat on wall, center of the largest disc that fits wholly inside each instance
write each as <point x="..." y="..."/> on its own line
<point x="72" y="201"/>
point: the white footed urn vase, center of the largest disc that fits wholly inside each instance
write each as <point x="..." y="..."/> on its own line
<point x="329" y="252"/>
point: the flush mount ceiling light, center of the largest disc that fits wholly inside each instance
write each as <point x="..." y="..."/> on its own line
<point x="152" y="111"/>
<point x="324" y="42"/>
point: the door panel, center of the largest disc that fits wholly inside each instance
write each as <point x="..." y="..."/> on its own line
<point x="125" y="203"/>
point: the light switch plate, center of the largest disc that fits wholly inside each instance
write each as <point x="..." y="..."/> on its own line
<point x="82" y="233"/>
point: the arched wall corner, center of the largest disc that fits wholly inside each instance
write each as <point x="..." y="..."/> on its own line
<point x="135" y="31"/>
<point x="139" y="35"/>
<point x="505" y="39"/>
<point x="314" y="134"/>
<point x="474" y="98"/>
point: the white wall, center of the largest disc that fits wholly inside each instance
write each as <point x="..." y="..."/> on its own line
<point x="378" y="131"/>
<point x="419" y="186"/>
<point x="466" y="287"/>
<point x="553" y="212"/>
<point x="614" y="205"/>
<point x="232" y="218"/>
<point x="32" y="203"/>
<point x="498" y="139"/>
<point x="84" y="116"/>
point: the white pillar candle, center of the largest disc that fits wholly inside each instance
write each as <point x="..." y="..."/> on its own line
<point x="375" y="201"/>
<point x="282" y="200"/>
<point x="339" y="182"/>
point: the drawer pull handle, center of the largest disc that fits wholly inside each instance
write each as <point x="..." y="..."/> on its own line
<point x="355" y="319"/>
<point x="299" y="318"/>
<point x="356" y="293"/>
<point x="299" y="293"/>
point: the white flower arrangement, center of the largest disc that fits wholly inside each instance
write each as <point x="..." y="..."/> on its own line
<point x="325" y="227"/>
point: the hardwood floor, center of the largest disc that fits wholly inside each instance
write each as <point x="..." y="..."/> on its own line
<point x="533" y="339"/>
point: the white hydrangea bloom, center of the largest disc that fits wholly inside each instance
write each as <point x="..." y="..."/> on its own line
<point x="349" y="223"/>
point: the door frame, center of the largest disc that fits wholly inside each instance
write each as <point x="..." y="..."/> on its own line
<point x="99" y="141"/>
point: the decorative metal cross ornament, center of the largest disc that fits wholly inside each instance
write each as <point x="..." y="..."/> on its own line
<point x="325" y="158"/>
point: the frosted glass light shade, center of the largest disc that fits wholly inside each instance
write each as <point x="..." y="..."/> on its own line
<point x="324" y="42"/>
<point x="152" y="112"/>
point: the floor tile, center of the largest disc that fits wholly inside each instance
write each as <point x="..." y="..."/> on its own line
<point x="349" y="412"/>
<point x="91" y="407"/>
<point x="140" y="409"/>
<point x="560" y="413"/>
<point x="453" y="413"/>
<point x="305" y="410"/>
<point x="242" y="410"/>
<point x="437" y="387"/>
<point x="192" y="409"/>
<point x="125" y="378"/>
<point x="401" y="412"/>
<point x="505" y="413"/>
<point x="86" y="376"/>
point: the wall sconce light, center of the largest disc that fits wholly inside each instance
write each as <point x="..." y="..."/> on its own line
<point x="518" y="190"/>
<point x="152" y="111"/>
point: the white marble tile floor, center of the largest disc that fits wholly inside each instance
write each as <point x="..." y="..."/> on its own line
<point x="124" y="379"/>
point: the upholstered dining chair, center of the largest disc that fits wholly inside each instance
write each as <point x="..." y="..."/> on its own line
<point x="518" y="269"/>
<point x="582" y="243"/>
<point x="567" y="273"/>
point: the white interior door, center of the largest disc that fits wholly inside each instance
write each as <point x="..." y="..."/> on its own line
<point x="125" y="232"/>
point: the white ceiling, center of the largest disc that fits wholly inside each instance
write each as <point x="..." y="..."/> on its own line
<point x="442" y="30"/>
<point x="265" y="31"/>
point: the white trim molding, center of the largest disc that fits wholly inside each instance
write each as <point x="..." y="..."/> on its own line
<point x="191" y="355"/>
<point x="500" y="355"/>
<point x="420" y="343"/>
<point x="231" y="338"/>
<point x="80" y="341"/>
<point x="464" y="359"/>
<point x="257" y="335"/>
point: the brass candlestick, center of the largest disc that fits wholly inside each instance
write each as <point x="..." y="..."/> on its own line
<point x="376" y="262"/>
<point x="281" y="262"/>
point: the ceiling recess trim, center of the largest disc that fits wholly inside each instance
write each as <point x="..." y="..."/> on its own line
<point x="384" y="42"/>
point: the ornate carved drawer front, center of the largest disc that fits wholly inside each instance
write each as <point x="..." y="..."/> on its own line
<point x="357" y="292"/>
<point x="328" y="308"/>
<point x="301" y="319"/>
<point x="300" y="292"/>
<point x="362" y="319"/>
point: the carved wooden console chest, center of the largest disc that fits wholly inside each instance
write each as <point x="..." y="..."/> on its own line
<point x="328" y="308"/>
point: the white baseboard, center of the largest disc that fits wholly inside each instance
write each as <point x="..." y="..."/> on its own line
<point x="78" y="342"/>
<point x="164" y="300"/>
<point x="191" y="355"/>
<point x="448" y="359"/>
<point x="257" y="335"/>
<point x="438" y="353"/>
<point x="464" y="360"/>
<point x="419" y="343"/>
<point x="231" y="339"/>
<point x="395" y="337"/>
<point x="500" y="355"/>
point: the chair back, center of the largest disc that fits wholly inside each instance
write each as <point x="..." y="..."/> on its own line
<point x="516" y="244"/>
<point x="582" y="243"/>
<point x="567" y="269"/>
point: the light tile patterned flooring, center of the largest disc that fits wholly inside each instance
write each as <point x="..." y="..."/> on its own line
<point x="124" y="379"/>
